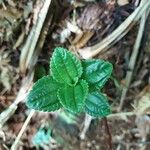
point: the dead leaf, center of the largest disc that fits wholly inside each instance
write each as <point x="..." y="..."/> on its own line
<point x="143" y="105"/>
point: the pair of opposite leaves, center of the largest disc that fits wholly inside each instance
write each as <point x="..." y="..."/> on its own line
<point x="73" y="84"/>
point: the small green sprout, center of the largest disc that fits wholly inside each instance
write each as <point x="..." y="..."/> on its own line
<point x="73" y="85"/>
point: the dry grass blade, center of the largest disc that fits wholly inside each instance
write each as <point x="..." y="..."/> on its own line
<point x="29" y="48"/>
<point x="6" y="114"/>
<point x="133" y="58"/>
<point x="26" y="62"/>
<point x="87" y="123"/>
<point x="15" y="144"/>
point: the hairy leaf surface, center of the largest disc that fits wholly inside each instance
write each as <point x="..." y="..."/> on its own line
<point x="43" y="95"/>
<point x="65" y="67"/>
<point x="96" y="72"/>
<point x="97" y="105"/>
<point x="73" y="98"/>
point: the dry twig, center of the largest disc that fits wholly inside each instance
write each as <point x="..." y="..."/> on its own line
<point x="133" y="59"/>
<point x="27" y="60"/>
<point x="15" y="144"/>
<point x="26" y="84"/>
<point x="87" y="123"/>
<point x="29" y="48"/>
<point x="34" y="52"/>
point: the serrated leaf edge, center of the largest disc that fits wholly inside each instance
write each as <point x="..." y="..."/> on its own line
<point x="54" y="107"/>
<point x="97" y="85"/>
<point x="86" y="109"/>
<point x="76" y="62"/>
<point x="85" y="96"/>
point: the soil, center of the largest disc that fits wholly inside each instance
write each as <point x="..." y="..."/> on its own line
<point x="96" y="20"/>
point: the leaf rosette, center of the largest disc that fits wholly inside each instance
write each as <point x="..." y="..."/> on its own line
<point x="72" y="84"/>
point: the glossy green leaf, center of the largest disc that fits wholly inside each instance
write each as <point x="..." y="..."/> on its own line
<point x="97" y="105"/>
<point x="65" y="67"/>
<point x="96" y="72"/>
<point x="43" y="95"/>
<point x="73" y="98"/>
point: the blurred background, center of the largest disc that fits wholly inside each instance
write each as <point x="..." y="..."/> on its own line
<point x="113" y="30"/>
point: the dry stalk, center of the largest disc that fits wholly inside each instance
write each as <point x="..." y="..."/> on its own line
<point x="35" y="48"/>
<point x="29" y="48"/>
<point x="121" y="116"/>
<point x="26" y="84"/>
<point x="15" y="144"/>
<point x="27" y="61"/>
<point x="133" y="59"/>
<point x="86" y="125"/>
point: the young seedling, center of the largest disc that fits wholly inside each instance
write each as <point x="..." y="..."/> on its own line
<point x="73" y="85"/>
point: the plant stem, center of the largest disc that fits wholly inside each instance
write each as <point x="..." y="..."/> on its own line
<point x="108" y="133"/>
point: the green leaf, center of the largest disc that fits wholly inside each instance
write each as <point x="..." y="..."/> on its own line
<point x="97" y="105"/>
<point x="43" y="95"/>
<point x="96" y="72"/>
<point x="65" y="67"/>
<point x="73" y="98"/>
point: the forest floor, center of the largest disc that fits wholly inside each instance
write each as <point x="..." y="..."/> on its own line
<point x="29" y="32"/>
